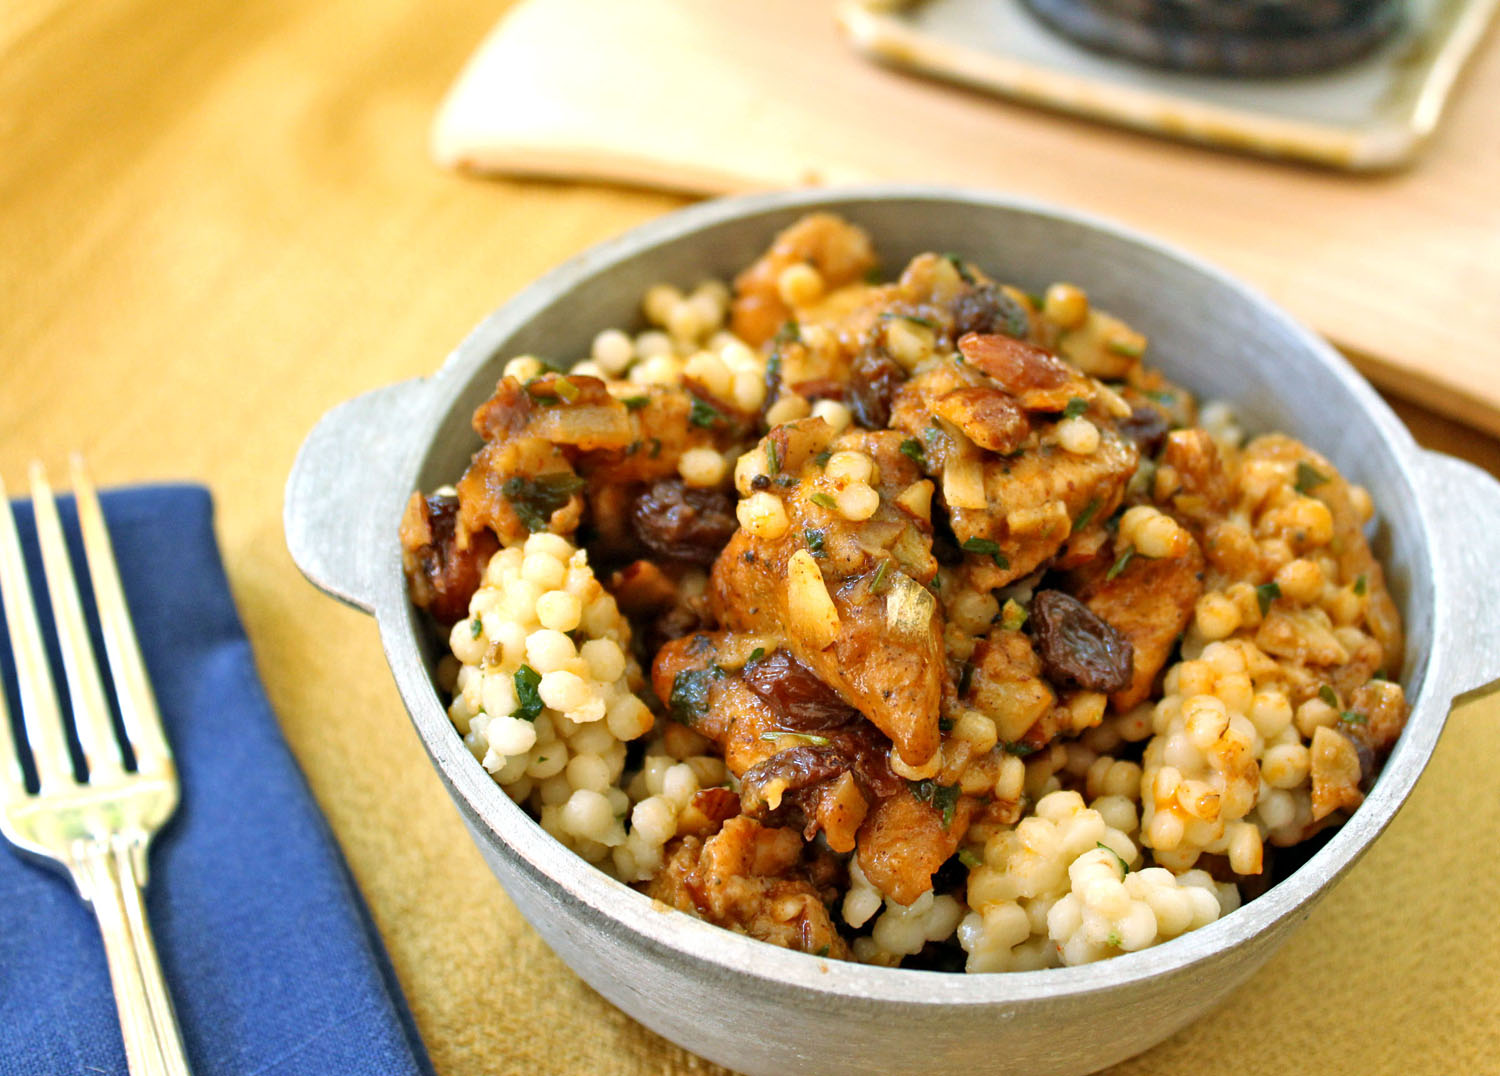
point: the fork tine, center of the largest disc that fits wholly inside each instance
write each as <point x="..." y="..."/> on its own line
<point x="91" y="716"/>
<point x="40" y="713"/>
<point x="142" y="719"/>
<point x="12" y="778"/>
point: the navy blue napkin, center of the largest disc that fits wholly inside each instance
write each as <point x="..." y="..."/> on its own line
<point x="268" y="949"/>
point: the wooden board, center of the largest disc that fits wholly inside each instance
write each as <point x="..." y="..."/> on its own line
<point x="1401" y="271"/>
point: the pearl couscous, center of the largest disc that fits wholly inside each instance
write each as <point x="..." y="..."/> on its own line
<point x="917" y="623"/>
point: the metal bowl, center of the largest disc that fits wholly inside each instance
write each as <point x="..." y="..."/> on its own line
<point x="761" y="1009"/>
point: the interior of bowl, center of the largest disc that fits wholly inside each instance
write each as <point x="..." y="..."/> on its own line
<point x="1206" y="331"/>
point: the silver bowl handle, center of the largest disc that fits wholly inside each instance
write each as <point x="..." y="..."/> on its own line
<point x="340" y="485"/>
<point x="1466" y="507"/>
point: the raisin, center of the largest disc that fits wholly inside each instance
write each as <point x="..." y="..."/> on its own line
<point x="987" y="309"/>
<point x="441" y="575"/>
<point x="801" y="701"/>
<point x="683" y="522"/>
<point x="874" y="379"/>
<point x="1076" y="647"/>
<point x="1147" y="426"/>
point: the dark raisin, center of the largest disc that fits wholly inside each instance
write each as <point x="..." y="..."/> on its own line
<point x="801" y="701"/>
<point x="441" y="576"/>
<point x="1147" y="426"/>
<point x="1076" y="647"/>
<point x="987" y="309"/>
<point x="683" y="522"/>
<point x="874" y="379"/>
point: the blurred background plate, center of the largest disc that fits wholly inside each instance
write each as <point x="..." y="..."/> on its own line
<point x="1374" y="112"/>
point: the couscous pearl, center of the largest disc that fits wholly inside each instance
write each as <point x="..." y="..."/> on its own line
<point x="588" y="771"/>
<point x="748" y="389"/>
<point x="653" y="343"/>
<point x="628" y="717"/>
<point x="1217" y="616"/>
<point x="559" y="610"/>
<point x="467" y="646"/>
<point x="702" y="467"/>
<point x="685" y="321"/>
<point x="544" y="570"/>
<point x="548" y="650"/>
<point x="659" y="302"/>
<point x="655" y="819"/>
<point x="587" y="814"/>
<point x="554" y="545"/>
<point x="679" y="784"/>
<point x="1066" y="305"/>
<point x="524" y="367"/>
<point x="763" y="515"/>
<point x="657" y="370"/>
<point x="789" y="408"/>
<point x="857" y="501"/>
<point x="834" y="413"/>
<point x="709" y="371"/>
<point x="849" y="467"/>
<point x="605" y="658"/>
<point x="613" y="350"/>
<point x="547" y="761"/>
<point x="1078" y="436"/>
<point x="511" y="735"/>
<point x="799" y="284"/>
<point x="499" y="695"/>
<point x="563" y="690"/>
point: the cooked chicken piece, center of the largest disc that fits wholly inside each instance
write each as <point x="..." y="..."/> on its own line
<point x="904" y="840"/>
<point x="751" y="880"/>
<point x="848" y="596"/>
<point x="840" y="252"/>
<point x="1006" y="685"/>
<point x="1193" y="479"/>
<point x="518" y="486"/>
<point x="1150" y="601"/>
<point x="1336" y="772"/>
<point x="443" y="564"/>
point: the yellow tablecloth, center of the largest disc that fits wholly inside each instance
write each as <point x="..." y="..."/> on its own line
<point x="218" y="219"/>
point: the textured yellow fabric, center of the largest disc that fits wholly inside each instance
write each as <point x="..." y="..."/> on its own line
<point x="218" y="219"/>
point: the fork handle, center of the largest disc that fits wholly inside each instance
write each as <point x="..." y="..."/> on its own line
<point x="110" y="875"/>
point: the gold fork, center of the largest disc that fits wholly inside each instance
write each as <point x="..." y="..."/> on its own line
<point x="98" y="829"/>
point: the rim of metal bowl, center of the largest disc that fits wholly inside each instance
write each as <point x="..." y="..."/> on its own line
<point x="574" y="881"/>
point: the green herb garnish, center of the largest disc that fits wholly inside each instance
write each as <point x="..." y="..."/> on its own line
<point x="1265" y="594"/>
<point x="808" y="737"/>
<point x="814" y="541"/>
<point x="476" y="629"/>
<point x="689" y="697"/>
<point x="756" y="654"/>
<point x="1308" y="477"/>
<point x="945" y="724"/>
<point x="911" y="448"/>
<point x="880" y="584"/>
<point x="1131" y="349"/>
<point x="822" y="950"/>
<point x="1076" y="406"/>
<point x="969" y="859"/>
<point x="1328" y="695"/>
<point x="526" y="680"/>
<point x="635" y="403"/>
<point x="1124" y="867"/>
<point x="566" y="389"/>
<point x="942" y="797"/>
<point x="534" y="499"/>
<point x="824" y="500"/>
<point x="1121" y="563"/>
<point x="1087" y="514"/>
<point x="1019" y="748"/>
<point x="703" y="414"/>
<point x="1354" y="717"/>
<point x="986" y="547"/>
<point x="1361" y="585"/>
<point x="822" y="458"/>
<point x="1013" y="615"/>
<point x="773" y="456"/>
<point x="964" y="273"/>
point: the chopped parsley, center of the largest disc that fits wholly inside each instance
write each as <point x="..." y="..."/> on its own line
<point x="911" y="448"/>
<point x="1130" y="347"/>
<point x="1019" y="748"/>
<point x="534" y="499"/>
<point x="1265" y="594"/>
<point x="945" y="724"/>
<point x="1308" y="477"/>
<point x="1354" y="717"/>
<point x="566" y="389"/>
<point x="1166" y="399"/>
<point x="1121" y="563"/>
<point x="476" y="629"/>
<point x="1124" y="867"/>
<point x="756" y="654"/>
<point x="807" y="737"/>
<point x="964" y="272"/>
<point x="1076" y="406"/>
<point x="1013" y="615"/>
<point x="1086" y="515"/>
<point x="969" y="859"/>
<point x="635" y="403"/>
<point x="1328" y="695"/>
<point x="530" y="699"/>
<point x="704" y="414"/>
<point x="773" y="456"/>
<point x="823" y="500"/>
<point x="880" y="584"/>
<point x="814" y="541"/>
<point x="1361" y="585"/>
<point x="689" y="697"/>
<point x="822" y="950"/>
<point x="986" y="547"/>
<point x="943" y="798"/>
<point x="822" y="458"/>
